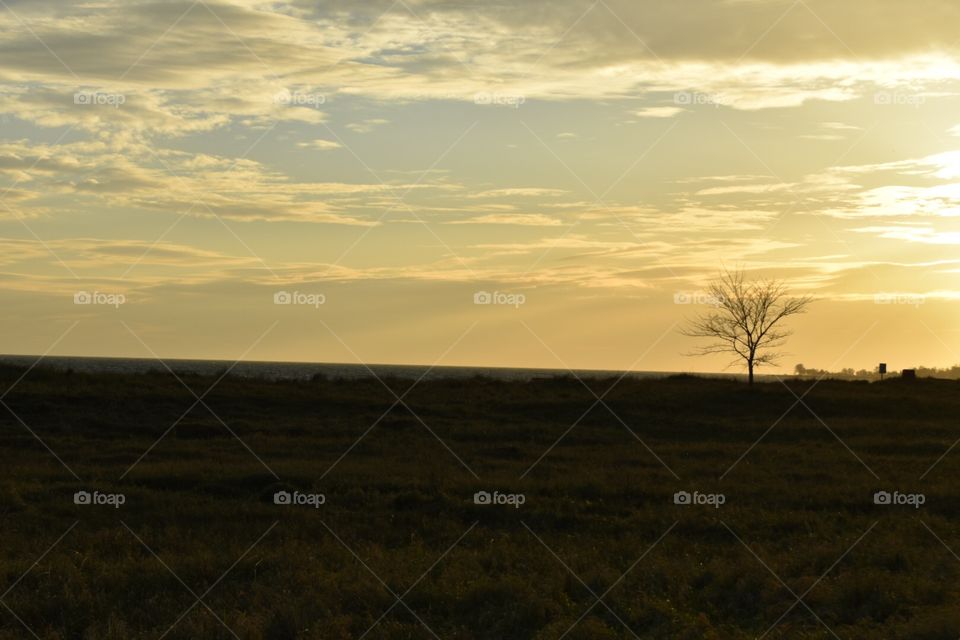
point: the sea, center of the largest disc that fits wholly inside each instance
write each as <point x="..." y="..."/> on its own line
<point x="307" y="370"/>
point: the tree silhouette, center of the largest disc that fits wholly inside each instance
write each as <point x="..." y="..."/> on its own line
<point x="747" y="319"/>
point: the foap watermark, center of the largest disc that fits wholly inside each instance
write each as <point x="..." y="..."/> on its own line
<point x="96" y="498"/>
<point x="899" y="99"/>
<point x="487" y="498"/>
<point x="499" y="99"/>
<point x="697" y="297"/>
<point x="289" y="98"/>
<point x="298" y="499"/>
<point x="910" y="299"/>
<point x="100" y="298"/>
<point x="499" y="298"/>
<point x="698" y="98"/>
<point x="99" y="99"/>
<point x="299" y="298"/>
<point x="895" y="498"/>
<point x="685" y="498"/>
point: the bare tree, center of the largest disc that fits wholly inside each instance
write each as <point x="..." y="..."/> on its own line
<point x="747" y="319"/>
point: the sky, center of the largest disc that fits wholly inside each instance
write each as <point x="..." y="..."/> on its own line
<point x="536" y="184"/>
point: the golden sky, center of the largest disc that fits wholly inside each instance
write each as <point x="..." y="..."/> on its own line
<point x="378" y="164"/>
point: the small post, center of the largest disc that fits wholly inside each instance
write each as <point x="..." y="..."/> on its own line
<point x="883" y="369"/>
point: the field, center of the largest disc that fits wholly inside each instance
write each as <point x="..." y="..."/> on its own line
<point x="399" y="549"/>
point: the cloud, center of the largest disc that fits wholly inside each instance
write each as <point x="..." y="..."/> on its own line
<point x="201" y="185"/>
<point x="222" y="61"/>
<point x="770" y="187"/>
<point x="618" y="31"/>
<point x="523" y="219"/>
<point x="518" y="192"/>
<point x="923" y="235"/>
<point x="320" y="145"/>
<point x="366" y="126"/>
<point x="228" y="72"/>
<point x="913" y="187"/>
<point x="658" y="112"/>
<point x="831" y="131"/>
<point x="840" y="126"/>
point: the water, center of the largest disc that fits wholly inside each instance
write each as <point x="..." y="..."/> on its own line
<point x="305" y="371"/>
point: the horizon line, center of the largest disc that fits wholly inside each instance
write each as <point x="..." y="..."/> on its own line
<point x="39" y="358"/>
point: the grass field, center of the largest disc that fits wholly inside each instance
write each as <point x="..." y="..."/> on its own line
<point x="399" y="549"/>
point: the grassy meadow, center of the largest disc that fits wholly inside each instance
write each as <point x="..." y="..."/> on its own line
<point x="400" y="549"/>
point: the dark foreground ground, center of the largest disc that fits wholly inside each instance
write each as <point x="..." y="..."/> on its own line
<point x="598" y="549"/>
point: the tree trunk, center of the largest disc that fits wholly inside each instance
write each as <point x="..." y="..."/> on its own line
<point x="750" y="370"/>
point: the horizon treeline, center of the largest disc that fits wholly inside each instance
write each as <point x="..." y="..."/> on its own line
<point x="951" y="373"/>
